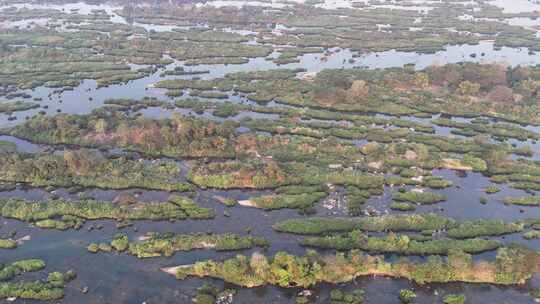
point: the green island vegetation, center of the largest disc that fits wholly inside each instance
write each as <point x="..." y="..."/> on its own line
<point x="465" y="231"/>
<point x="7" y="146"/>
<point x="180" y="71"/>
<point x="8" y="244"/>
<point x="9" y="107"/>
<point x="536" y="293"/>
<point x="495" y="86"/>
<point x="10" y="271"/>
<point x="484" y="228"/>
<point x="123" y="105"/>
<point x="176" y="137"/>
<point x="308" y="27"/>
<point x="271" y="174"/>
<point x="406" y="296"/>
<point x="321" y="225"/>
<point x="89" y="169"/>
<point x="402" y="244"/>
<point x="483" y="200"/>
<point x="402" y="206"/>
<point x="64" y="214"/>
<point x="210" y="294"/>
<point x="513" y="265"/>
<point x="454" y="299"/>
<point x="52" y="288"/>
<point x="421" y="198"/>
<point x="339" y="297"/>
<point x="166" y="244"/>
<point x="492" y="189"/>
<point x="523" y="201"/>
<point x="530" y="235"/>
<point x="292" y="201"/>
<point x="497" y="130"/>
<point x="271" y="105"/>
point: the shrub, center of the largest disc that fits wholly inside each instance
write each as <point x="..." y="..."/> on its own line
<point x="484" y="228"/>
<point x="7" y="244"/>
<point x="406" y="296"/>
<point x="492" y="189"/>
<point x="454" y="299"/>
<point x="402" y="206"/>
<point x="420" y="197"/>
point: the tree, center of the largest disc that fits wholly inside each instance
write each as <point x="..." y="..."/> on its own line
<point x="520" y="73"/>
<point x="529" y="88"/>
<point x="487" y="75"/>
<point x="259" y="265"/>
<point x="501" y="94"/>
<point x="447" y="75"/>
<point x="358" y="90"/>
<point x="406" y="296"/>
<point x="459" y="259"/>
<point x="329" y="95"/>
<point x="468" y="88"/>
<point x="101" y="126"/>
<point x="496" y="156"/>
<point x="421" y="80"/>
<point x="82" y="162"/>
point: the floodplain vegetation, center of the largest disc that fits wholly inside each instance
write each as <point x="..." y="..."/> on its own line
<point x="65" y="214"/>
<point x="301" y="158"/>
<point x="513" y="265"/>
<point x="331" y="145"/>
<point x="166" y="244"/>
<point x="49" y="289"/>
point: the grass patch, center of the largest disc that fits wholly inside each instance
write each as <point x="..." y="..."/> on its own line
<point x="319" y="225"/>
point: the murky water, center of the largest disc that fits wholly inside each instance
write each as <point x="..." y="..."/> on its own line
<point x="518" y="6"/>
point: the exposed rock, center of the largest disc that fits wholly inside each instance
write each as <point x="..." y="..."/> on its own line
<point x="375" y="165"/>
<point x="418" y="190"/>
<point x="247" y="203"/>
<point x="411" y="155"/>
<point x="125" y="199"/>
<point x="455" y="164"/>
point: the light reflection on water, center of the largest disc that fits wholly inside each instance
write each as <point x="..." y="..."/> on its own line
<point x="78" y="99"/>
<point x="516" y="6"/>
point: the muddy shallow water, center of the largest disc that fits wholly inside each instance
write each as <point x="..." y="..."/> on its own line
<point x="119" y="278"/>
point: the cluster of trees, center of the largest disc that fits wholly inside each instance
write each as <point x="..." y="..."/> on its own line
<point x="513" y="265"/>
<point x="166" y="244"/>
<point x="178" y="137"/>
<point x="236" y="174"/>
<point x="402" y="244"/>
<point x="51" y="214"/>
<point x="45" y="290"/>
<point x="89" y="169"/>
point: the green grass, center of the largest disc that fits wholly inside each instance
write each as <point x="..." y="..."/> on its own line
<point x="484" y="228"/>
<point x="319" y="225"/>
<point x="523" y="201"/>
<point x="72" y="214"/>
<point x="402" y="206"/>
<point x="401" y="244"/>
<point x="422" y="198"/>
<point x="166" y="244"/>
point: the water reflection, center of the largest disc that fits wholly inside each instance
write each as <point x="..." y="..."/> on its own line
<point x="87" y="96"/>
